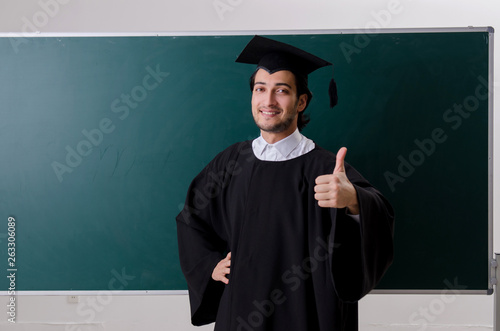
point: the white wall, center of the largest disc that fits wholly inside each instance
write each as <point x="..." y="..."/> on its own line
<point x="377" y="312"/>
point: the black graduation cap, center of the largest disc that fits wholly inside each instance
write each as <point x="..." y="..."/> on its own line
<point x="273" y="56"/>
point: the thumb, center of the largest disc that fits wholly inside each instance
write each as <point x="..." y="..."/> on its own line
<point x="339" y="165"/>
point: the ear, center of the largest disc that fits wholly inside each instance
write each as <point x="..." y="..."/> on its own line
<point x="302" y="102"/>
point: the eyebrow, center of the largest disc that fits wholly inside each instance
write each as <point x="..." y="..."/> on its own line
<point x="277" y="84"/>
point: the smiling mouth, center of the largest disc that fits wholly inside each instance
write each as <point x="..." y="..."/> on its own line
<point x="269" y="112"/>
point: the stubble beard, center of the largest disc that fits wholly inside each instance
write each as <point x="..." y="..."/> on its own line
<point x="281" y="126"/>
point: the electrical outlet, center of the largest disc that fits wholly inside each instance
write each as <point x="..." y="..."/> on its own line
<point x="73" y="299"/>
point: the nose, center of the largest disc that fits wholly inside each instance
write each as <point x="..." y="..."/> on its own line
<point x="270" y="99"/>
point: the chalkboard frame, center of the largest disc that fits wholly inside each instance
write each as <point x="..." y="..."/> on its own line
<point x="297" y="32"/>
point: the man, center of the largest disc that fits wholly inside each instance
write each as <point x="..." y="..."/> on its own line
<point x="278" y="233"/>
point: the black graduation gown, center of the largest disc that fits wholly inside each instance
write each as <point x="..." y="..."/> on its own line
<point x="294" y="265"/>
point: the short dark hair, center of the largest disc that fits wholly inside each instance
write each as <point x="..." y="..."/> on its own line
<point x="302" y="88"/>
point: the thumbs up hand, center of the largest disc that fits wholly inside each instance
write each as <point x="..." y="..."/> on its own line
<point x="335" y="190"/>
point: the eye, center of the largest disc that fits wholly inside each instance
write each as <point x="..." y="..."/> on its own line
<point x="282" y="91"/>
<point x="258" y="89"/>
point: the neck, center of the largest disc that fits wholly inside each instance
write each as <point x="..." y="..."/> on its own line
<point x="274" y="137"/>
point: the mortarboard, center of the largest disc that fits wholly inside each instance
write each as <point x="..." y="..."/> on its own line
<point x="273" y="56"/>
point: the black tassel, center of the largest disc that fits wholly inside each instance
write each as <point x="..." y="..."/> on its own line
<point x="332" y="92"/>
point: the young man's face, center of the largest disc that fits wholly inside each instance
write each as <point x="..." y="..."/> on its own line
<point x="275" y="104"/>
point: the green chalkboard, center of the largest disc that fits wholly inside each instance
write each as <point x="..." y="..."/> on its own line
<point x="101" y="136"/>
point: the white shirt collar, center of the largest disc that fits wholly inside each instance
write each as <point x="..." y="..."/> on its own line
<point x="290" y="147"/>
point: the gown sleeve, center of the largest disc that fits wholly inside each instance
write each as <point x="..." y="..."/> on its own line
<point x="200" y="247"/>
<point x="362" y="251"/>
